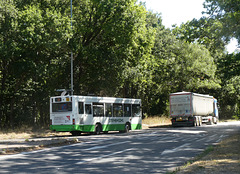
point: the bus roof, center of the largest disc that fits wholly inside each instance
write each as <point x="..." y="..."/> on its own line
<point x="101" y="99"/>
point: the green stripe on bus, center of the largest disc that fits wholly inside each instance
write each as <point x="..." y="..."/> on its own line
<point x="113" y="127"/>
<point x="66" y="128"/>
<point x="136" y="126"/>
<point x="91" y="128"/>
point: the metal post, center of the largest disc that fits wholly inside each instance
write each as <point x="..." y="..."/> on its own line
<point x="71" y="73"/>
<point x="71" y="57"/>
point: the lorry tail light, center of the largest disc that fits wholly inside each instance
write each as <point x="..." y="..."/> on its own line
<point x="50" y="121"/>
<point x="73" y="121"/>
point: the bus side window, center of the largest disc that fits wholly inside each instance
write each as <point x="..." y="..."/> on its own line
<point x="88" y="109"/>
<point x="136" y="109"/>
<point x="127" y="110"/>
<point x="98" y="110"/>
<point x="108" y="109"/>
<point x="80" y="108"/>
<point x="117" y="110"/>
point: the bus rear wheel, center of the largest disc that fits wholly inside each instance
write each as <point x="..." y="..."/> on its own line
<point x="127" y="128"/>
<point x="98" y="129"/>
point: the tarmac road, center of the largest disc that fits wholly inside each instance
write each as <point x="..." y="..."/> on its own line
<point x="155" y="150"/>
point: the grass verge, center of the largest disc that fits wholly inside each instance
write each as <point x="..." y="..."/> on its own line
<point x="156" y="121"/>
<point x="223" y="158"/>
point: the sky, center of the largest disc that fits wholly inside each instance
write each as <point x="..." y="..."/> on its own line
<point x="180" y="11"/>
<point x="176" y="11"/>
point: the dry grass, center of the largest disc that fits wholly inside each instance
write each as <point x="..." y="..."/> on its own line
<point x="228" y="120"/>
<point x="5" y="136"/>
<point x="26" y="134"/>
<point x="156" y="121"/>
<point x="224" y="158"/>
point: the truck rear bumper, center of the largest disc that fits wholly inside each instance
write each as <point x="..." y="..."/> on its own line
<point x="189" y="121"/>
<point x="182" y="123"/>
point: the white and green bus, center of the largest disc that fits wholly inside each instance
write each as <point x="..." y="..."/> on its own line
<point x="77" y="114"/>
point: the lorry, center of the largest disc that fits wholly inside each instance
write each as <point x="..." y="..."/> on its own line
<point x="193" y="109"/>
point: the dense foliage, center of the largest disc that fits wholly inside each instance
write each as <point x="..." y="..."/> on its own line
<point x="227" y="14"/>
<point x="119" y="48"/>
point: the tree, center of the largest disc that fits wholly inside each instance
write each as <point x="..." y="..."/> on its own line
<point x="7" y="33"/>
<point x="32" y="39"/>
<point x="105" y="43"/>
<point x="228" y="13"/>
<point x="228" y="70"/>
<point x="205" y="31"/>
<point x="185" y="67"/>
<point x="108" y="38"/>
<point x="176" y="65"/>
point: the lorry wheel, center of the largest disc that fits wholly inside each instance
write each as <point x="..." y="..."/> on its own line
<point x="200" y="121"/>
<point x="210" y="121"/>
<point x="215" y="120"/>
<point x="195" y="121"/>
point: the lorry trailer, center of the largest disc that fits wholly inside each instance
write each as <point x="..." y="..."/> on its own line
<point x="193" y="109"/>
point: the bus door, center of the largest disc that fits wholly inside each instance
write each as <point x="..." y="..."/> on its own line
<point x="88" y="114"/>
<point x="136" y="115"/>
<point x="128" y="112"/>
<point x="79" y="119"/>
